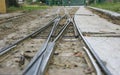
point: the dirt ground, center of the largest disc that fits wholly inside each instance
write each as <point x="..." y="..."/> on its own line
<point x="16" y="29"/>
<point x="19" y="28"/>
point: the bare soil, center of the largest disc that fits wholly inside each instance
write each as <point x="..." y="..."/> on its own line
<point x="17" y="29"/>
<point x="21" y="27"/>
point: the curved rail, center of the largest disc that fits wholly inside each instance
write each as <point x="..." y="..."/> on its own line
<point x="98" y="71"/>
<point x="99" y="61"/>
<point x="40" y="61"/>
<point x="36" y="59"/>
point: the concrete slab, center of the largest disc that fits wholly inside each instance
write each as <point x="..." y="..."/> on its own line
<point x="108" y="49"/>
<point x="89" y="22"/>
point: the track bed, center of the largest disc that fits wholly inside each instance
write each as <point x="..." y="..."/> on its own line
<point x="56" y="49"/>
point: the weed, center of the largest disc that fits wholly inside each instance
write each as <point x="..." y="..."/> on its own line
<point x="109" y="6"/>
<point x="26" y="8"/>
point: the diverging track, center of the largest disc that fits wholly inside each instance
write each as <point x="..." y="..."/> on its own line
<point x="64" y="52"/>
<point x="66" y="48"/>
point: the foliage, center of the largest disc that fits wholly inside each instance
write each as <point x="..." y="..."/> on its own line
<point x="109" y="6"/>
<point x="29" y="1"/>
<point x="12" y="3"/>
<point x="26" y="8"/>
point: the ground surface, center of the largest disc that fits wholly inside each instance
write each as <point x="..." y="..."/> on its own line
<point x="16" y="29"/>
<point x="105" y="45"/>
<point x="68" y="58"/>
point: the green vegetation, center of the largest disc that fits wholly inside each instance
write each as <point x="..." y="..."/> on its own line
<point x="26" y="8"/>
<point x="29" y="1"/>
<point x="109" y="6"/>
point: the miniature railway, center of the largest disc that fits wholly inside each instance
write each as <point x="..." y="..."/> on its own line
<point x="65" y="51"/>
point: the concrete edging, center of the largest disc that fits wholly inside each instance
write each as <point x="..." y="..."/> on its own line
<point x="106" y="12"/>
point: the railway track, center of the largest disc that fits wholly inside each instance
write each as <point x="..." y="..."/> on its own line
<point x="64" y="52"/>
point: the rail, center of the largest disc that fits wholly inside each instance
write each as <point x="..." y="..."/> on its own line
<point x="92" y="51"/>
<point x="39" y="62"/>
<point x="8" y="48"/>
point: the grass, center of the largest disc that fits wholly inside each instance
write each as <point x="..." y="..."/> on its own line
<point x="26" y="8"/>
<point x="109" y="6"/>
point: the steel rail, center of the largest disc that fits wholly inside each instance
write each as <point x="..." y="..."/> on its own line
<point x="99" y="61"/>
<point x="45" y="58"/>
<point x="45" y="61"/>
<point x="96" y="67"/>
<point x="8" y="48"/>
<point x="38" y="31"/>
<point x="57" y="25"/>
<point x="98" y="71"/>
<point x="71" y="19"/>
<point x="41" y="69"/>
<point x="47" y="46"/>
<point x="62" y="30"/>
<point x="49" y="52"/>
<point x="75" y="29"/>
<point x="41" y="59"/>
<point x="40" y="52"/>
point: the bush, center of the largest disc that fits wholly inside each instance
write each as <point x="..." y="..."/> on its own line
<point x="109" y="6"/>
<point x="13" y="3"/>
<point x="29" y="1"/>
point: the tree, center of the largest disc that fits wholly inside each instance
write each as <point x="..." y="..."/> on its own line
<point x="29" y="1"/>
<point x="12" y="3"/>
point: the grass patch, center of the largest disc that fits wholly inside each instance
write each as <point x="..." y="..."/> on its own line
<point x="109" y="6"/>
<point x="27" y="8"/>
